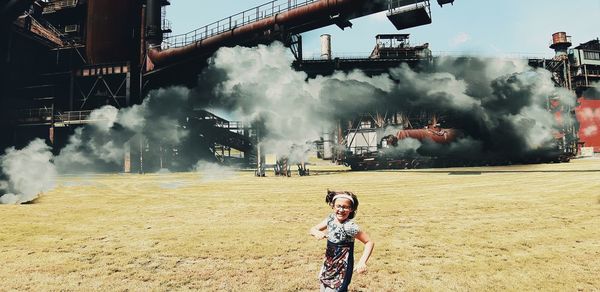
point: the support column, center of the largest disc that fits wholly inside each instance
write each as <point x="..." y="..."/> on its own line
<point x="141" y="143"/>
<point x="127" y="158"/>
<point x="51" y="134"/>
<point x="71" y="90"/>
<point x="51" y="130"/>
<point x="128" y="87"/>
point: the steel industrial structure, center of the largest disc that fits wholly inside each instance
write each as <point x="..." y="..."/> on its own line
<point x="61" y="59"/>
<point x="364" y="138"/>
<point x="577" y="69"/>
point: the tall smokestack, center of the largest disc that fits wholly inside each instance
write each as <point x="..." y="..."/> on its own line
<point x="560" y="44"/>
<point x="153" y="23"/>
<point x="326" y="47"/>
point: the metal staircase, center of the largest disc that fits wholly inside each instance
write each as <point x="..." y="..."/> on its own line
<point x="231" y="140"/>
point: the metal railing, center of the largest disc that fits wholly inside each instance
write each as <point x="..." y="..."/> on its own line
<point x="47" y="116"/>
<point x="54" y="6"/>
<point x="46" y="30"/>
<point x="232" y="125"/>
<point x="237" y="20"/>
<point x="73" y="117"/>
<point x="435" y="54"/>
<point x="487" y="55"/>
<point x="395" y="4"/>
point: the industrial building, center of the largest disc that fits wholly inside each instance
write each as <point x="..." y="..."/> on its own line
<point x="585" y="60"/>
<point x="578" y="69"/>
<point x="62" y="59"/>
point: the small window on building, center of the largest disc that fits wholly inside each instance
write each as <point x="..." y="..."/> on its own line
<point x="591" y="55"/>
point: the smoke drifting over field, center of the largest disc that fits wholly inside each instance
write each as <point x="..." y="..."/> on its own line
<point x="26" y="173"/>
<point x="259" y="85"/>
<point x="97" y="147"/>
<point x="210" y="171"/>
<point x="500" y="105"/>
<point x="100" y="145"/>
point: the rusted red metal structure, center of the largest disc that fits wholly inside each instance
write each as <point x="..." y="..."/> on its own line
<point x="110" y="52"/>
<point x="110" y="39"/>
<point x="294" y="21"/>
<point x="441" y="136"/>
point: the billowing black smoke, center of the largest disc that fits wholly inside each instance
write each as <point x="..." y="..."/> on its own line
<point x="501" y="106"/>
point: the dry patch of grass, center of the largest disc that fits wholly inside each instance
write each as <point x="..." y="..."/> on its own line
<point x="531" y="227"/>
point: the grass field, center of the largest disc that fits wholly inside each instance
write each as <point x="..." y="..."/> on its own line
<point x="533" y="227"/>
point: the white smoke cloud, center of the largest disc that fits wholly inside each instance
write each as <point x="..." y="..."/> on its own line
<point x="210" y="172"/>
<point x="101" y="144"/>
<point x="590" y="131"/>
<point x="104" y="118"/>
<point x="501" y="104"/>
<point x="262" y="86"/>
<point x="536" y="131"/>
<point x="28" y="173"/>
<point x="406" y="147"/>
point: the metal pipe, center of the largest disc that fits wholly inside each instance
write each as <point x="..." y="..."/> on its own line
<point x="298" y="20"/>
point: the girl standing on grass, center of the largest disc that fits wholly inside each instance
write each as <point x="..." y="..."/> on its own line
<point x="338" y="266"/>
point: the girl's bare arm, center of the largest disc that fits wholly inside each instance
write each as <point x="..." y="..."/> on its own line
<point x="317" y="230"/>
<point x="361" y="267"/>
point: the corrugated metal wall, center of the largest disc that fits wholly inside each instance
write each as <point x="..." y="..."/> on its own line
<point x="588" y="115"/>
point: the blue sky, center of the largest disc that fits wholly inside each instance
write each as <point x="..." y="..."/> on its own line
<point x="477" y="27"/>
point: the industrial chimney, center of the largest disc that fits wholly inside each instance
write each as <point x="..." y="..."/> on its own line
<point x="326" y="47"/>
<point x="560" y="44"/>
<point x="153" y="23"/>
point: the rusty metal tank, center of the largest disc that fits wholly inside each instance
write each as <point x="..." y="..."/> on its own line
<point x="437" y="135"/>
<point x="112" y="30"/>
<point x="559" y="37"/>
